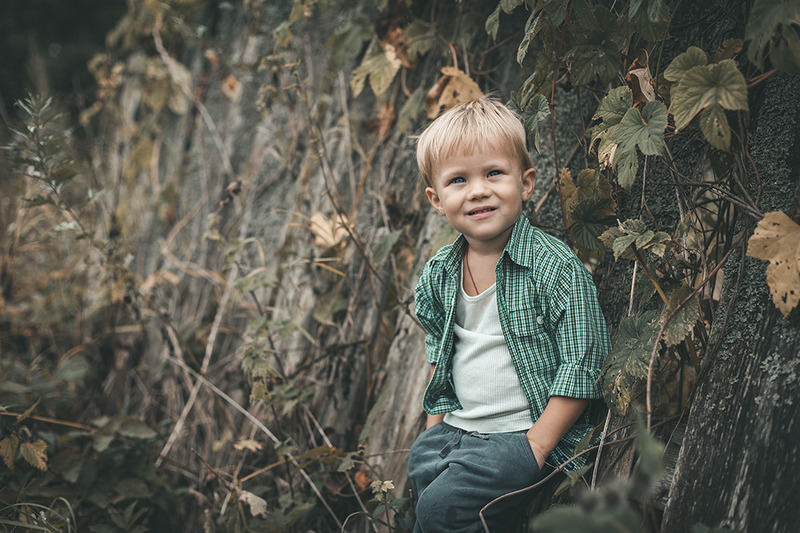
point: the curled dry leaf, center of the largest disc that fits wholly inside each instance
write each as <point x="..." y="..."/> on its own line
<point x="453" y="88"/>
<point x="640" y="82"/>
<point x="777" y="240"/>
<point x="8" y="450"/>
<point x="232" y="88"/>
<point x="248" y="444"/>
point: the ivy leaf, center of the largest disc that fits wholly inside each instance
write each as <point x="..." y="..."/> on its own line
<point x="777" y="240"/>
<point x="715" y="128"/>
<point x="590" y="219"/>
<point x="8" y="450"/>
<point x="629" y="359"/>
<point x="706" y="85"/>
<point x="772" y="30"/>
<point x="645" y="129"/>
<point x="35" y="453"/>
<point x="684" y="320"/>
<point x="683" y="63"/>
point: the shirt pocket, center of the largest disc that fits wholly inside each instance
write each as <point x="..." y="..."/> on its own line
<point x="529" y="326"/>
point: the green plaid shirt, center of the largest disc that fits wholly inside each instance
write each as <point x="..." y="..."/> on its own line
<point x="549" y="314"/>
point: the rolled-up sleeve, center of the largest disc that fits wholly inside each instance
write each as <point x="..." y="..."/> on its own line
<point x="430" y="313"/>
<point x="581" y="335"/>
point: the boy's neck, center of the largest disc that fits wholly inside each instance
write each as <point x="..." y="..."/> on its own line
<point x="479" y="269"/>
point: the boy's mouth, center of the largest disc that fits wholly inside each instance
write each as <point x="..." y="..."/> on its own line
<point x="481" y="211"/>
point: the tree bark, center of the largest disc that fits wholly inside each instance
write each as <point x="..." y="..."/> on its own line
<point x="740" y="457"/>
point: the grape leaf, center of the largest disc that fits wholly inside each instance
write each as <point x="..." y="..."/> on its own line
<point x="614" y="105"/>
<point x="8" y="450"/>
<point x="715" y="128"/>
<point x="627" y="165"/>
<point x="645" y="129"/>
<point x="706" y="85"/>
<point x="683" y="63"/>
<point x="777" y="240"/>
<point x="684" y="320"/>
<point x="629" y="359"/>
<point x="35" y="453"/>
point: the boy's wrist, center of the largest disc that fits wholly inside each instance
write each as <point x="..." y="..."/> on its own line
<point x="540" y="452"/>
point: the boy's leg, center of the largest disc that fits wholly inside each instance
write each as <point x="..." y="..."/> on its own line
<point x="424" y="457"/>
<point x="475" y="471"/>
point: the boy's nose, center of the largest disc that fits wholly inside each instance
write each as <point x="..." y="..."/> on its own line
<point x="478" y="189"/>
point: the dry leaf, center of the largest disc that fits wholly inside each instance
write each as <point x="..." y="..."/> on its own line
<point x="248" y="444"/>
<point x="35" y="453"/>
<point x="232" y="88"/>
<point x="362" y="481"/>
<point x="777" y="240"/>
<point x="328" y="232"/>
<point x="212" y="57"/>
<point x="258" y="505"/>
<point x="640" y="82"/>
<point x="453" y="88"/>
<point x="8" y="450"/>
<point x="381" y="125"/>
<point x="396" y="39"/>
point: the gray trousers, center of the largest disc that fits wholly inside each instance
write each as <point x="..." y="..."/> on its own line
<point x="454" y="473"/>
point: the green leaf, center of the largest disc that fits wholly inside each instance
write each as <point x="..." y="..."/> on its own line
<point x="684" y="320"/>
<point x="493" y="23"/>
<point x="135" y="428"/>
<point x="536" y="111"/>
<point x="706" y="85"/>
<point x="627" y="165"/>
<point x="590" y="218"/>
<point x="384" y="246"/>
<point x="645" y="129"/>
<point x="532" y="27"/>
<point x="629" y="359"/>
<point x="411" y="109"/>
<point x="614" y="105"/>
<point x="684" y="62"/>
<point x="380" y="67"/>
<point x="715" y="128"/>
<point x="772" y="30"/>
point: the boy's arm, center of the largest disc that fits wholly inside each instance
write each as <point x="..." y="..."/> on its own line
<point x="432" y="420"/>
<point x="559" y="415"/>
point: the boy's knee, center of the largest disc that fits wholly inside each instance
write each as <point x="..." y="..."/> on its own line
<point x="434" y="514"/>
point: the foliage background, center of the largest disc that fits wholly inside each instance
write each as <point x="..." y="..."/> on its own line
<point x="208" y="256"/>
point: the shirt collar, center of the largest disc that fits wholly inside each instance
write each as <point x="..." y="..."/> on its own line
<point x="517" y="248"/>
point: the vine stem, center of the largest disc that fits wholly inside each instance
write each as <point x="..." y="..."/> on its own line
<point x="640" y="260"/>
<point x="552" y="105"/>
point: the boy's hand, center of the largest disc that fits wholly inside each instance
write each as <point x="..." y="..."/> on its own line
<point x="538" y="452"/>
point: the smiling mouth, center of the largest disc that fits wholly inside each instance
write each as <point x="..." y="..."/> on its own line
<point x="482" y="211"/>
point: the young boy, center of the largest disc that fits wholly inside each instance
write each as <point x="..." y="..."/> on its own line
<point x="514" y="333"/>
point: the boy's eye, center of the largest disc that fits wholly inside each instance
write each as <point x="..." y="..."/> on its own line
<point x="458" y="179"/>
<point x="494" y="172"/>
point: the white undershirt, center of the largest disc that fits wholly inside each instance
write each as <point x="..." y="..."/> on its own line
<point x="486" y="383"/>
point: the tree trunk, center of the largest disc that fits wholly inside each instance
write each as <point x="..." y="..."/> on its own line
<point x="740" y="457"/>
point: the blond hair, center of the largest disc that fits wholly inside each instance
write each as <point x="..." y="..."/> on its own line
<point x="465" y="128"/>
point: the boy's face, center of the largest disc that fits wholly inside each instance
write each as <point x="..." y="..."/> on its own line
<point x="481" y="194"/>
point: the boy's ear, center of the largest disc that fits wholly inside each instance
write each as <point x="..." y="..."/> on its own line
<point x="433" y="198"/>
<point x="528" y="182"/>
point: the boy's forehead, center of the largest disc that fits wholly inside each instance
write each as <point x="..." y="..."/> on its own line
<point x="457" y="153"/>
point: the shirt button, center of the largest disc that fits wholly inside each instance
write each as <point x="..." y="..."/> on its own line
<point x="539" y="320"/>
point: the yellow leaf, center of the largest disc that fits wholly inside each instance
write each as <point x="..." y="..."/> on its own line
<point x="8" y="450"/>
<point x="328" y="232"/>
<point x="453" y="88"/>
<point x="35" y="453"/>
<point x="248" y="444"/>
<point x="777" y="240"/>
<point x="258" y="505"/>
